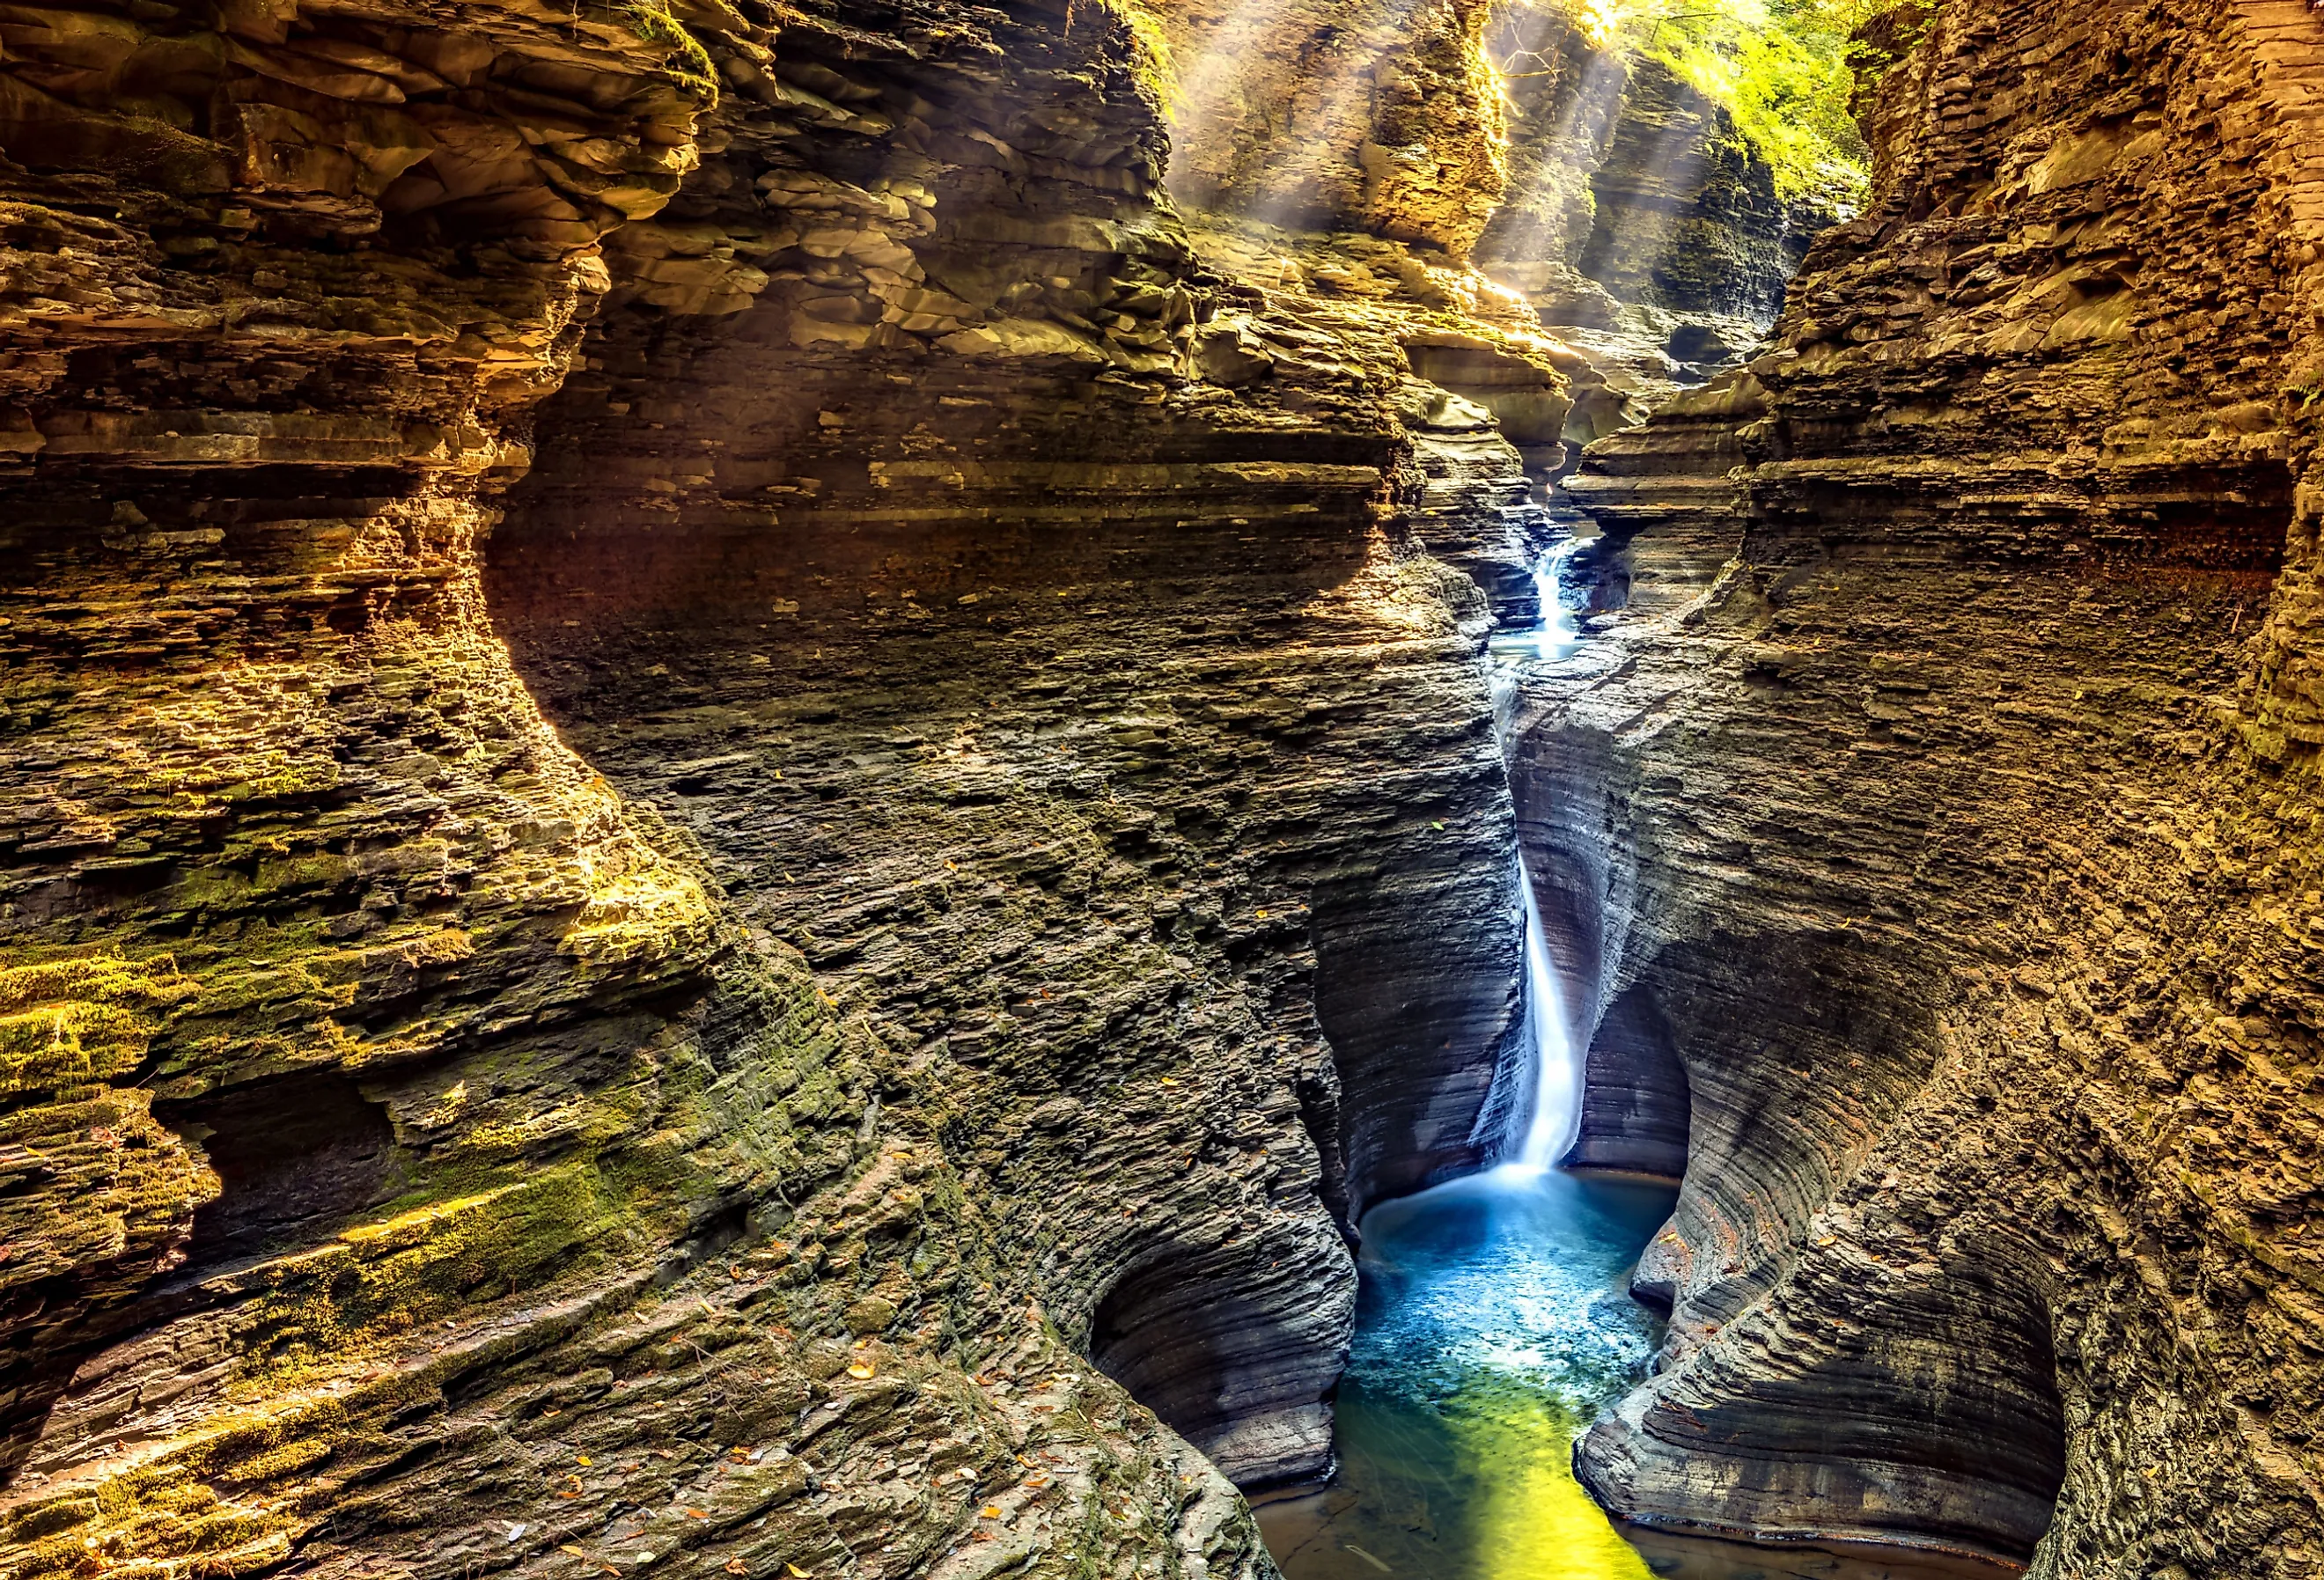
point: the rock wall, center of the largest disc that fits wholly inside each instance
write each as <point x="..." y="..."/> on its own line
<point x="952" y="919"/>
<point x="1954" y="756"/>
<point x="1383" y="119"/>
<point x="719" y="771"/>
<point x="1637" y="220"/>
<point x="274" y="806"/>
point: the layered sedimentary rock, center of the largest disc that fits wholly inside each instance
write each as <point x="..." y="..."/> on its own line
<point x="1003" y="729"/>
<point x="271" y="798"/>
<point x="1336" y="114"/>
<point x="1951" y="769"/>
<point x="720" y="774"/>
<point x="1636" y="218"/>
<point x="1621" y="202"/>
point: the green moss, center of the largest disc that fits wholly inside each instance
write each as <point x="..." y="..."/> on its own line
<point x="68" y="1021"/>
<point x="1155" y="71"/>
<point x="651" y="20"/>
<point x="1786" y="71"/>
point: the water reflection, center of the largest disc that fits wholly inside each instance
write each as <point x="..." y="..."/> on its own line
<point x="1492" y="1325"/>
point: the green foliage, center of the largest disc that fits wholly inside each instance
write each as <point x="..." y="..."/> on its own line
<point x="1155" y="71"/>
<point x="1784" y="70"/>
<point x="653" y="20"/>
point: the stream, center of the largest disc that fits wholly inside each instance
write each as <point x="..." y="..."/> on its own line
<point x="1493" y="1324"/>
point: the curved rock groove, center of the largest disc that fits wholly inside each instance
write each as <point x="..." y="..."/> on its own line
<point x="742" y="962"/>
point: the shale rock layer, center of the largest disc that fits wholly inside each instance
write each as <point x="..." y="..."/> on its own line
<point x="1003" y="725"/>
<point x="1952" y="769"/>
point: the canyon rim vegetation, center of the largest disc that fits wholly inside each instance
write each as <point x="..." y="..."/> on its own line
<point x="748" y="781"/>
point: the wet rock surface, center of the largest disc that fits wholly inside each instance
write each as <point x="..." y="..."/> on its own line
<point x="1951" y="761"/>
<point x="728" y="789"/>
<point x="670" y="1036"/>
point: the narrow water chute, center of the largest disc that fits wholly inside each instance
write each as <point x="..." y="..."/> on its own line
<point x="1556" y="1109"/>
<point x="1560" y="633"/>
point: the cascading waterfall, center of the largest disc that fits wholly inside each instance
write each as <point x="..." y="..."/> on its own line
<point x="1559" y="634"/>
<point x="1491" y="1325"/>
<point x="1488" y="1327"/>
<point x="1554" y="1112"/>
<point x="1556" y="1109"/>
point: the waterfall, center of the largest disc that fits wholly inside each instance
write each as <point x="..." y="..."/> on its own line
<point x="1554" y="1115"/>
<point x="1556" y="1109"/>
<point x="1559" y="633"/>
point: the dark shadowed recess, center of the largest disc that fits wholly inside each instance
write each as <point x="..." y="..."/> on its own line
<point x="1633" y="1102"/>
<point x="1237" y="1378"/>
<point x="1418" y="1035"/>
<point x="294" y="1156"/>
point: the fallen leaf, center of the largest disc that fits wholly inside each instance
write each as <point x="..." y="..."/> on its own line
<point x="990" y="1511"/>
<point x="795" y="1569"/>
<point x="1169" y="1082"/>
<point x="552" y="1412"/>
<point x="859" y="1371"/>
<point x="580" y="1459"/>
<point x="737" y="1566"/>
<point x="577" y="1552"/>
<point x="697" y="1513"/>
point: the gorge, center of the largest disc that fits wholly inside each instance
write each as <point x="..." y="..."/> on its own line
<point x="768" y="770"/>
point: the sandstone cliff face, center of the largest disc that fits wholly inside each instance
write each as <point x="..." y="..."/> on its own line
<point x="275" y="809"/>
<point x="1611" y="194"/>
<point x="1636" y="218"/>
<point x="1951" y="776"/>
<point x="1327" y="114"/>
<point x="1002" y="730"/>
<point x="719" y="771"/>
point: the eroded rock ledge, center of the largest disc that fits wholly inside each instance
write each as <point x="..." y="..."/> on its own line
<point x="714" y="760"/>
<point x="927" y="902"/>
<point x="1952" y="769"/>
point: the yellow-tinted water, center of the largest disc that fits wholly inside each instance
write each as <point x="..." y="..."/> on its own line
<point x="1493" y="1324"/>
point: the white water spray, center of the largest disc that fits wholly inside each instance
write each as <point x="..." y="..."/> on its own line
<point x="1559" y="633"/>
<point x="1556" y="1078"/>
<point x="1554" y="1115"/>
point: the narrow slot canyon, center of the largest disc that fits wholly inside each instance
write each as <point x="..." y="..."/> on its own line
<point x="1292" y="790"/>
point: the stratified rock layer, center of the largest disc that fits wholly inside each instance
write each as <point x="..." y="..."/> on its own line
<point x="1004" y="729"/>
<point x="1336" y="114"/>
<point x="1952" y="769"/>
<point x="1637" y="219"/>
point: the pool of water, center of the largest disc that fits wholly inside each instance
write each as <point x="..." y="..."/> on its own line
<point x="1493" y="1323"/>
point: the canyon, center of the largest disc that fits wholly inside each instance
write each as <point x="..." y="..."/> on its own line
<point x="753" y="774"/>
